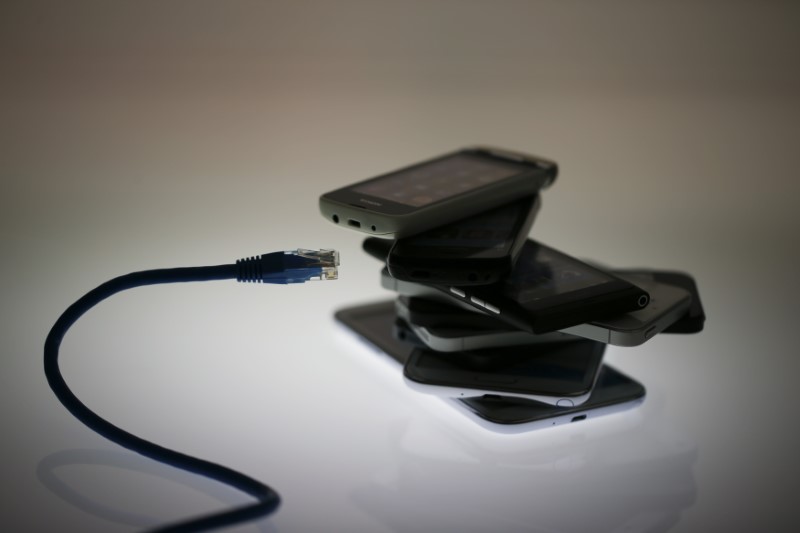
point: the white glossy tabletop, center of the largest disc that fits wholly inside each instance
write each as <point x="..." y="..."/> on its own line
<point x="143" y="136"/>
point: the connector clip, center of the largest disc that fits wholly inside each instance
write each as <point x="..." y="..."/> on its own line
<point x="326" y="261"/>
<point x="291" y="266"/>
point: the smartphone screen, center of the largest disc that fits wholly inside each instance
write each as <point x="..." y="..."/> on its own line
<point x="481" y="235"/>
<point x="430" y="182"/>
<point x="544" y="272"/>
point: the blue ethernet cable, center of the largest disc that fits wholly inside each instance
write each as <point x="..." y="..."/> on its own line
<point x="296" y="266"/>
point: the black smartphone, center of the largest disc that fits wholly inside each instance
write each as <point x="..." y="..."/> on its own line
<point x="613" y="391"/>
<point x="693" y="321"/>
<point x="438" y="191"/>
<point x="548" y="290"/>
<point x="477" y="250"/>
<point x="449" y="328"/>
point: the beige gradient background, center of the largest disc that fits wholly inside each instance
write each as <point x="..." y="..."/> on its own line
<point x="152" y="134"/>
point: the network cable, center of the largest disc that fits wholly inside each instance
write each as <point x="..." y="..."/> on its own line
<point x="297" y="266"/>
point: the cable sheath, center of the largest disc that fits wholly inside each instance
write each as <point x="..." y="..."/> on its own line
<point x="267" y="499"/>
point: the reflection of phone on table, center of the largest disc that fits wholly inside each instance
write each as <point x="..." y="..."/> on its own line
<point x="373" y="324"/>
<point x="438" y="191"/>
<point x="479" y="250"/>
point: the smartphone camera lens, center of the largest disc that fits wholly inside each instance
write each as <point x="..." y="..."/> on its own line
<point x="643" y="300"/>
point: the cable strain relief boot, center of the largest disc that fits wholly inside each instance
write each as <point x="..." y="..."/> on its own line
<point x="253" y="269"/>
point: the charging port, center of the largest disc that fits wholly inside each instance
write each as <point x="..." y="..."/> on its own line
<point x="354" y="223"/>
<point x="578" y="418"/>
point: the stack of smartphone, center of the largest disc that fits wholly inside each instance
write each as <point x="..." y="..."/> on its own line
<point x="512" y="328"/>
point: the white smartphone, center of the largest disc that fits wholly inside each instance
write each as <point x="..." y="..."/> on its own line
<point x="435" y="192"/>
<point x="614" y="392"/>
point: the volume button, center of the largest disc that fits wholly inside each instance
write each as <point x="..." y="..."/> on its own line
<point x="458" y="292"/>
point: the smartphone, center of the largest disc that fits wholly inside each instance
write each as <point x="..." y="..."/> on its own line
<point x="546" y="290"/>
<point x="460" y="339"/>
<point x="613" y="392"/>
<point x="477" y="250"/>
<point x="377" y="247"/>
<point x="373" y="322"/>
<point x="560" y="373"/>
<point x="668" y="305"/>
<point x="425" y="312"/>
<point x="455" y="329"/>
<point x="693" y="321"/>
<point x="435" y="192"/>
